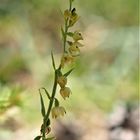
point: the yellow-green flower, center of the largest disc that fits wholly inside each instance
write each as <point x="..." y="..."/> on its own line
<point x="77" y="36"/>
<point x="67" y="14"/>
<point x="66" y="59"/>
<point x="65" y="92"/>
<point x="78" y="44"/>
<point x="62" y="81"/>
<point x="73" y="18"/>
<point x="74" y="50"/>
<point x="58" y="111"/>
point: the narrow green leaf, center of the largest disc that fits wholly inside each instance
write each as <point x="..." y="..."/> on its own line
<point x="47" y="93"/>
<point x="37" y="138"/>
<point x="42" y="106"/>
<point x="53" y="63"/>
<point x="69" y="72"/>
<point x="56" y="102"/>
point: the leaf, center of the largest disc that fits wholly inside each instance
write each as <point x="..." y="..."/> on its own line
<point x="63" y="33"/>
<point x="37" y="138"/>
<point x="68" y="73"/>
<point x="56" y="102"/>
<point x="42" y="106"/>
<point x="70" y="34"/>
<point x="47" y="93"/>
<point x="53" y="63"/>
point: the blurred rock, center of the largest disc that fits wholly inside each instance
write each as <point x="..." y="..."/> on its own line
<point x="69" y="131"/>
<point x="122" y="134"/>
<point x="124" y="122"/>
<point x="117" y="116"/>
<point x="83" y="127"/>
<point x="11" y="120"/>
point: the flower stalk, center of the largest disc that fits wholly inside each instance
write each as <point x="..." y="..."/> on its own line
<point x="67" y="26"/>
<point x="70" y="51"/>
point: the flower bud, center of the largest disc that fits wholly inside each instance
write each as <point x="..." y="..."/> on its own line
<point x="62" y="81"/>
<point x="73" y="20"/>
<point x="48" y="130"/>
<point x="67" y="14"/>
<point x="65" y="92"/>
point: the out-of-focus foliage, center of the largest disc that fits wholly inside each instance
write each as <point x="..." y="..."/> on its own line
<point x="119" y="12"/>
<point x="28" y="30"/>
<point x="9" y="97"/>
<point x="107" y="70"/>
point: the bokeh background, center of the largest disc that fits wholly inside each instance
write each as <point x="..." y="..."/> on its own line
<point x="104" y="101"/>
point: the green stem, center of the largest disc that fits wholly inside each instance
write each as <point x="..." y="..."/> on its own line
<point x="70" y="5"/>
<point x="67" y="27"/>
<point x="50" y="106"/>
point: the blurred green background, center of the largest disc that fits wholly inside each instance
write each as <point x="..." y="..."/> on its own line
<point x="107" y="72"/>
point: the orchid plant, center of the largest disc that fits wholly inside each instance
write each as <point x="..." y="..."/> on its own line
<point x="71" y="49"/>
